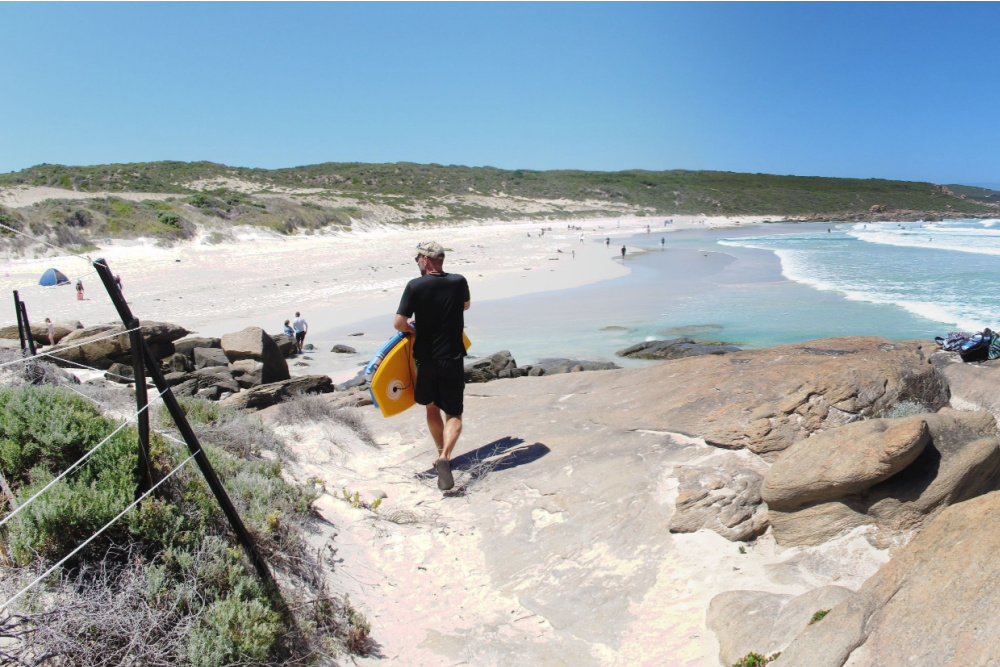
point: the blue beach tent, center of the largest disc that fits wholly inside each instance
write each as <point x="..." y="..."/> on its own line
<point x="53" y="277"/>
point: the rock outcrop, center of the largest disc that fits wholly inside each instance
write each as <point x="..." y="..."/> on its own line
<point x="934" y="603"/>
<point x="675" y="348"/>
<point x="723" y="498"/>
<point x="765" y="400"/>
<point x="765" y="623"/>
<point x="501" y="366"/>
<point x="961" y="460"/>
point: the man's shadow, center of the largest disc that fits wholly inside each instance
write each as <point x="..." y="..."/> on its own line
<point x="502" y="454"/>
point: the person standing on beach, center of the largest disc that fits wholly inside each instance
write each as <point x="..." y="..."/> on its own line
<point x="79" y="290"/>
<point x="437" y="302"/>
<point x="623" y="253"/>
<point x="51" y="331"/>
<point x="301" y="328"/>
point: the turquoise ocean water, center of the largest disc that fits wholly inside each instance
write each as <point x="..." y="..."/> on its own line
<point x="760" y="286"/>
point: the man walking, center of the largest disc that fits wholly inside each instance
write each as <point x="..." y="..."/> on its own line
<point x="300" y="327"/>
<point x="436" y="302"/>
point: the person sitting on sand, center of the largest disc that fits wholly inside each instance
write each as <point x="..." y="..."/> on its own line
<point x="289" y="331"/>
<point x="438" y="301"/>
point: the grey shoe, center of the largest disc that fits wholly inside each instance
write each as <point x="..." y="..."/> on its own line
<point x="445" y="480"/>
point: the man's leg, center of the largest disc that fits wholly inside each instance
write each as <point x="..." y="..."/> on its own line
<point x="436" y="426"/>
<point x="452" y="430"/>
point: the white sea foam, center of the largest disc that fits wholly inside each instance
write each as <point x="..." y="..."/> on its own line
<point x="931" y="286"/>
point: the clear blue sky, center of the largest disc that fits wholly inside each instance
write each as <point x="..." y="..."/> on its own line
<point x="895" y="90"/>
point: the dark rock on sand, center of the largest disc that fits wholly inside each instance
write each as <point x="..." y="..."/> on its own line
<point x="343" y="349"/>
<point x="490" y="368"/>
<point x="501" y="366"/>
<point x="255" y="343"/>
<point x="674" y="349"/>
<point x="555" y="366"/>
<point x="934" y="603"/>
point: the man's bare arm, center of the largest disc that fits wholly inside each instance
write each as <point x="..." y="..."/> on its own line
<point x="467" y="304"/>
<point x="403" y="324"/>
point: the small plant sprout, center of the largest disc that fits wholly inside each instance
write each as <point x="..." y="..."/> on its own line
<point x="818" y="616"/>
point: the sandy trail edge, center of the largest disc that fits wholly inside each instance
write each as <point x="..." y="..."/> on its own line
<point x="437" y="592"/>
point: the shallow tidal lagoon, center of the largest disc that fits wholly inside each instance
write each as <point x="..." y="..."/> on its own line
<point x="756" y="287"/>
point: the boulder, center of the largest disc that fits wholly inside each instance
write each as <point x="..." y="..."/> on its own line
<point x="40" y="331"/>
<point x="765" y="623"/>
<point x="723" y="498"/>
<point x="489" y="368"/>
<point x="186" y="346"/>
<point x="246" y="366"/>
<point x="104" y="344"/>
<point x="209" y="356"/>
<point x="120" y="373"/>
<point x="275" y="392"/>
<point x="675" y="348"/>
<point x="972" y="386"/>
<point x="180" y="363"/>
<point x="286" y="344"/>
<point x="247" y="372"/>
<point x="960" y="461"/>
<point x="934" y="603"/>
<point x="255" y="343"/>
<point x="343" y="349"/>
<point x="843" y="461"/>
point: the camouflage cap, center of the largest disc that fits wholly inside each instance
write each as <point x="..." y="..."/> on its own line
<point x="431" y="249"/>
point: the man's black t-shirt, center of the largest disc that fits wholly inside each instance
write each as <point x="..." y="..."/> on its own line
<point x="438" y="301"/>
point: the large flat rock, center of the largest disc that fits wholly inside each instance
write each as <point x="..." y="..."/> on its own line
<point x="765" y="400"/>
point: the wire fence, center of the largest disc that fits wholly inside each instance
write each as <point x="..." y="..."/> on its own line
<point x="140" y="350"/>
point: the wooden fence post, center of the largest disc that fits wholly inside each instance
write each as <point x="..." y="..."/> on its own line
<point x="170" y="401"/>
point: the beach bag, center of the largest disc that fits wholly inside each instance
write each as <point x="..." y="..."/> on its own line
<point x="978" y="347"/>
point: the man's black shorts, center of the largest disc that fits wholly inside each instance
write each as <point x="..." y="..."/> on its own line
<point x="300" y="336"/>
<point x="441" y="382"/>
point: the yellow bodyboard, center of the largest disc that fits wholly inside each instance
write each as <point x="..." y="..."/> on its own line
<point x="391" y="384"/>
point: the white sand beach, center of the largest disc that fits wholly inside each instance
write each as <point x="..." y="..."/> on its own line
<point x="259" y="278"/>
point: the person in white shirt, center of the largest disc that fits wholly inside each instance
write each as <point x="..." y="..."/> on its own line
<point x="300" y="327"/>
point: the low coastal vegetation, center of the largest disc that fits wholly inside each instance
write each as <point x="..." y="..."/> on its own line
<point x="337" y="195"/>
<point x="167" y="583"/>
